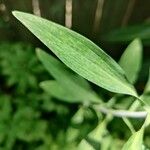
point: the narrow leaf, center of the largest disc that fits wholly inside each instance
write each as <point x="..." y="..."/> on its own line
<point x="78" y="117"/>
<point x="129" y="124"/>
<point x="98" y="133"/>
<point x="85" y="145"/>
<point x="78" y="53"/>
<point x="147" y="87"/>
<point x="77" y="88"/>
<point x="57" y="91"/>
<point x="147" y="120"/>
<point x="135" y="141"/>
<point x="131" y="60"/>
<point x="146" y="92"/>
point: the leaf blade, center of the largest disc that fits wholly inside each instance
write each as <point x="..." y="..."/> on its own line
<point x="79" y="54"/>
<point x="54" y="89"/>
<point x="135" y="141"/>
<point x="131" y="60"/>
<point x="147" y="87"/>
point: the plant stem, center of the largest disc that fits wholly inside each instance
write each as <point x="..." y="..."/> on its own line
<point x="122" y="113"/>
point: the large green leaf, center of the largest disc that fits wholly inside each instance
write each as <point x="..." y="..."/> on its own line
<point x="69" y="87"/>
<point x="131" y="60"/>
<point x="56" y="90"/>
<point x="78" y="53"/>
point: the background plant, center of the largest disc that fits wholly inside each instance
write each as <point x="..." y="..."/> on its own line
<point x="24" y="109"/>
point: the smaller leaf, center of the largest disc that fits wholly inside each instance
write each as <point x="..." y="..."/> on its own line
<point x="135" y="141"/>
<point x="131" y="60"/>
<point x="146" y="99"/>
<point x="57" y="91"/>
<point x="146" y="93"/>
<point x="77" y="88"/>
<point x="147" y="120"/>
<point x="147" y="87"/>
<point x="72" y="134"/>
<point x="78" y="118"/>
<point x="84" y="145"/>
<point x="99" y="135"/>
<point x="129" y="124"/>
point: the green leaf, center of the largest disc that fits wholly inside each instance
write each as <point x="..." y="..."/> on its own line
<point x="129" y="33"/>
<point x="85" y="145"/>
<point x="58" y="91"/>
<point x="69" y="87"/>
<point x="72" y="134"/>
<point x="147" y="120"/>
<point x="135" y="141"/>
<point x="146" y="93"/>
<point x="147" y="87"/>
<point x="78" y="117"/>
<point x="129" y="124"/>
<point x="131" y="60"/>
<point x="78" y="53"/>
<point x="146" y="98"/>
<point x="98" y="133"/>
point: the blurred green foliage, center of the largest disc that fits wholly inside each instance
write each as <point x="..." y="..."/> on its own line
<point x="128" y="33"/>
<point x="31" y="119"/>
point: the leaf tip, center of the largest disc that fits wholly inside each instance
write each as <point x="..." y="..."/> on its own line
<point x="21" y="16"/>
<point x="38" y="52"/>
<point x="138" y="42"/>
<point x="41" y="84"/>
<point x="15" y="13"/>
<point x="137" y="39"/>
